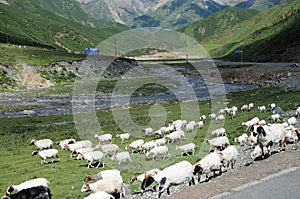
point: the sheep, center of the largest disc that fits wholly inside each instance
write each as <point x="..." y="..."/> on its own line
<point x="185" y="149"/>
<point x="104" y="138"/>
<point x="242" y="139"/>
<point x="250" y="106"/>
<point x="135" y="145"/>
<point x="78" y="145"/>
<point x="202" y="118"/>
<point x="100" y="195"/>
<point x="212" y="116"/>
<point x="262" y="122"/>
<point x="220" y="118"/>
<point x="200" y="124"/>
<point x="262" y="109"/>
<point x="147" y="131"/>
<point x="121" y="157"/>
<point x="42" y="144"/>
<point x="160" y="132"/>
<point x="219" y="132"/>
<point x="141" y="177"/>
<point x="232" y="113"/>
<point x="257" y="152"/>
<point x="148" y="145"/>
<point x="223" y="111"/>
<point x="275" y="117"/>
<point x="176" y="135"/>
<point x="48" y="153"/>
<point x="124" y="136"/>
<point x="249" y="124"/>
<point x="297" y="114"/>
<point x="207" y="165"/>
<point x="244" y="108"/>
<point x="108" y="148"/>
<point x="252" y="140"/>
<point x="91" y="157"/>
<point x="105" y="174"/>
<point x="221" y="142"/>
<point x="27" y="184"/>
<point x="170" y="176"/>
<point x="190" y="127"/>
<point x="83" y="150"/>
<point x="110" y="186"/>
<point x="228" y="156"/>
<point x="292" y="136"/>
<point x="37" y="192"/>
<point x="179" y="124"/>
<point x="64" y="143"/>
<point x="291" y="120"/>
<point x="272" y="106"/>
<point x="162" y="150"/>
<point x="160" y="142"/>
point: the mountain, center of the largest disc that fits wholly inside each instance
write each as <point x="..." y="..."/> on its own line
<point x="27" y="23"/>
<point x="218" y="22"/>
<point x="263" y="37"/>
<point x="259" y="4"/>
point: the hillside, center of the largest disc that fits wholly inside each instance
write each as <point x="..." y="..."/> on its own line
<point x="262" y="37"/>
<point x="216" y="23"/>
<point x="26" y="23"/>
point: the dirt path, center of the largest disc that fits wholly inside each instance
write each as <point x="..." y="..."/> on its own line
<point x="242" y="175"/>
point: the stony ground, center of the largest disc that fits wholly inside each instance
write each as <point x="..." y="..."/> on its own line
<point x="243" y="173"/>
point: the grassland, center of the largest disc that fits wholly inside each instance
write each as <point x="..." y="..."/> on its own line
<point x="17" y="165"/>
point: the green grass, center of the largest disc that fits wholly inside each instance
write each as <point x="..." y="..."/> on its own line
<point x="17" y="165"/>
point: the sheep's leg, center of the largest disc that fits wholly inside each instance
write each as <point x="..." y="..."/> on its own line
<point x="98" y="164"/>
<point x="44" y="161"/>
<point x="90" y="165"/>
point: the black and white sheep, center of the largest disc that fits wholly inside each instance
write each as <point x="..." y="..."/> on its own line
<point x="38" y="192"/>
<point x="48" y="153"/>
<point x="42" y="144"/>
<point x="27" y="184"/>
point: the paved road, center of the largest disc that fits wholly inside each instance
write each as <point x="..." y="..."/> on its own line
<point x="278" y="187"/>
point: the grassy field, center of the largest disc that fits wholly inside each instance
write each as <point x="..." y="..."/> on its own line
<point x="17" y="165"/>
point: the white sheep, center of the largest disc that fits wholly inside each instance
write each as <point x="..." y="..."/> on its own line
<point x="190" y="127"/>
<point x="291" y="120"/>
<point x="170" y="176"/>
<point x="78" y="145"/>
<point x="121" y="157"/>
<point x="250" y="123"/>
<point x="141" y="177"/>
<point x="297" y="114"/>
<point x="159" y="150"/>
<point x="275" y="117"/>
<point x="108" y="148"/>
<point x="211" y="163"/>
<point x="262" y="109"/>
<point x="272" y="106"/>
<point x="212" y="116"/>
<point x="175" y="136"/>
<point x="42" y="144"/>
<point x="292" y="135"/>
<point x="220" y="118"/>
<point x="185" y="149"/>
<point x="219" y="132"/>
<point x="124" y="136"/>
<point x="110" y="186"/>
<point x="257" y="152"/>
<point x="135" y="145"/>
<point x="244" y="108"/>
<point x="250" y="106"/>
<point x="160" y="142"/>
<point x="104" y="138"/>
<point x="228" y="156"/>
<point x="147" y="131"/>
<point x="64" y="143"/>
<point x="242" y="139"/>
<point x="148" y="145"/>
<point x="84" y="150"/>
<point x="217" y="142"/>
<point x="105" y="174"/>
<point x="100" y="195"/>
<point x="200" y="124"/>
<point x="91" y="157"/>
<point x="27" y="184"/>
<point x="47" y="153"/>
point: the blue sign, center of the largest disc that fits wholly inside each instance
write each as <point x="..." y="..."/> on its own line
<point x="238" y="51"/>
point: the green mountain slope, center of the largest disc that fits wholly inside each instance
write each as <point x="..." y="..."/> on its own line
<point x="25" y="22"/>
<point x="263" y="35"/>
<point x="216" y="23"/>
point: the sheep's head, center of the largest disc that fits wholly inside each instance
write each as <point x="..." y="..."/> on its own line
<point x="197" y="169"/>
<point x="9" y="189"/>
<point x="85" y="187"/>
<point x="32" y="141"/>
<point x="133" y="179"/>
<point x="147" y="181"/>
<point x="35" y="152"/>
